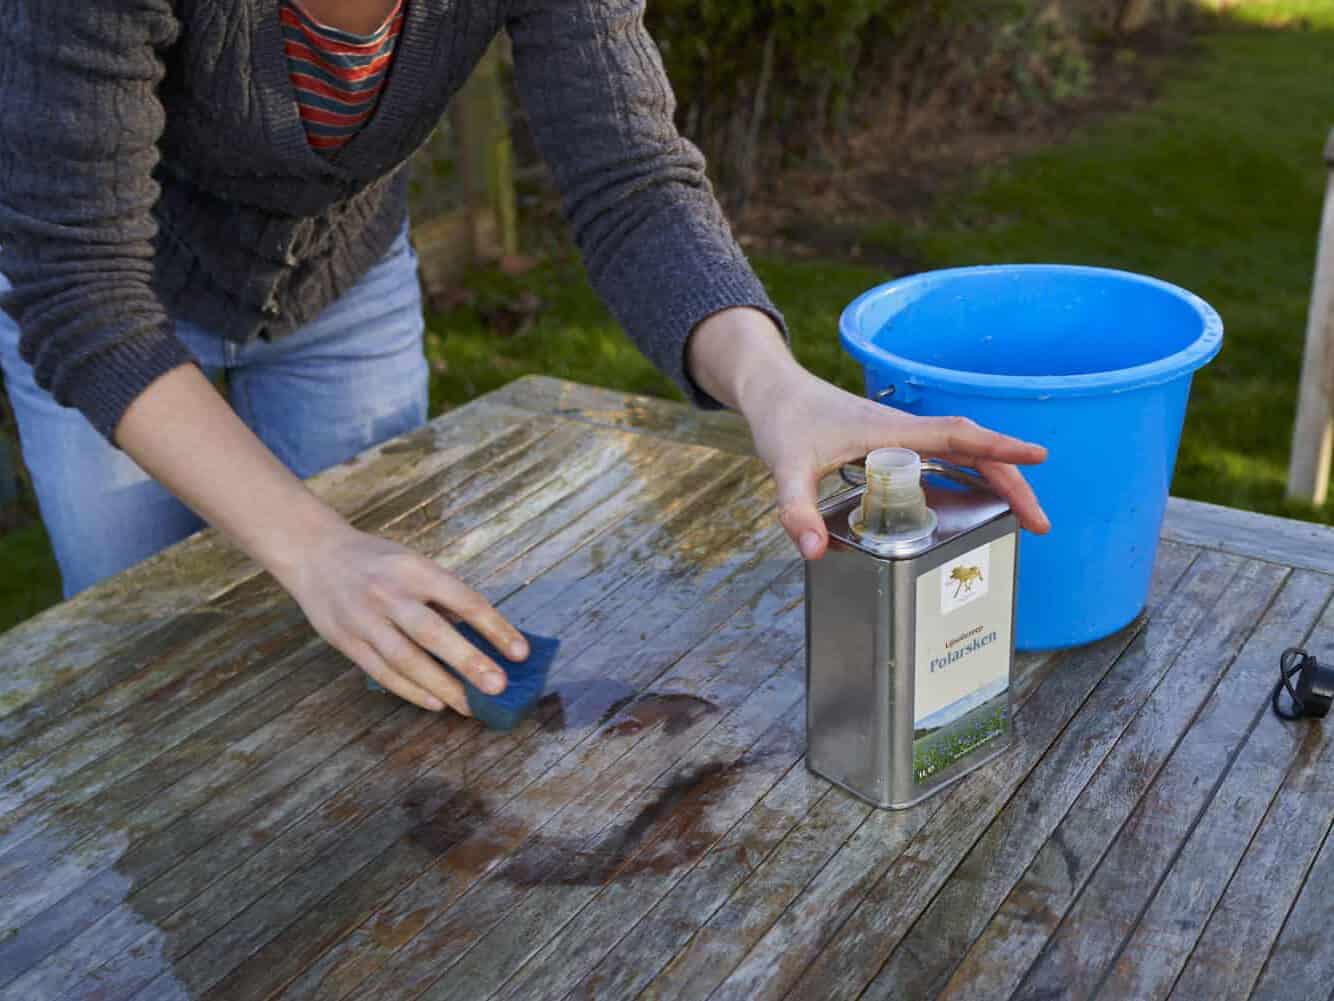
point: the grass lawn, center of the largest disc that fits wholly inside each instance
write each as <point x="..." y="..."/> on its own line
<point x="1216" y="186"/>
<point x="28" y="578"/>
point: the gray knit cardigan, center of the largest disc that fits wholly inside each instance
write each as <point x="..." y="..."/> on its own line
<point x="153" y="167"/>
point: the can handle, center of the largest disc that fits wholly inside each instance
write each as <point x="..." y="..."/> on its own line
<point x="901" y="397"/>
<point x="854" y="473"/>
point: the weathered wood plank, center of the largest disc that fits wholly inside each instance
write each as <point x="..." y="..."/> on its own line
<point x="539" y="394"/>
<point x="205" y="917"/>
<point x="648" y="943"/>
<point x="963" y="908"/>
<point x="1181" y="648"/>
<point x="556" y="599"/>
<point x="590" y="926"/>
<point x="1031" y="668"/>
<point x="686" y="810"/>
<point x="332" y="844"/>
<point x="558" y="462"/>
<point x="257" y="608"/>
<point x="1229" y="956"/>
<point x="1279" y="540"/>
<point x="51" y="651"/>
<point x="81" y="884"/>
<point x="73" y="731"/>
<point x="140" y="931"/>
<point x="75" y="844"/>
<point x="123" y="675"/>
<point x="1297" y="544"/>
<point x="499" y="523"/>
<point x="800" y="846"/>
<point x="1118" y="879"/>
<point x="1291" y="543"/>
<point x="1165" y="935"/>
<point x="493" y="481"/>
<point x="192" y="751"/>
<point x="734" y="928"/>
<point x="562" y="514"/>
<point x="1300" y="965"/>
<point x="120" y="732"/>
<point x="1288" y="542"/>
<point x="80" y="771"/>
<point x="536" y="802"/>
<point x="1037" y="903"/>
<point x="138" y="731"/>
<point x="640" y="646"/>
<point x="412" y="847"/>
<point x="761" y="941"/>
<point x="604" y="921"/>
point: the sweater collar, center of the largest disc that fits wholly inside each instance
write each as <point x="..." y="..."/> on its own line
<point x="368" y="153"/>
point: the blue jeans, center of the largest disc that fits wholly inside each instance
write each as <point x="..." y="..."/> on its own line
<point x="353" y="377"/>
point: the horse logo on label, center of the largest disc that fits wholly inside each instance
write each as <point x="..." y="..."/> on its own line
<point x="964" y="578"/>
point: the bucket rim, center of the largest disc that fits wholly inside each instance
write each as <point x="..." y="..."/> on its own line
<point x="858" y="342"/>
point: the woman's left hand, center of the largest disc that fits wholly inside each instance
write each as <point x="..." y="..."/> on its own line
<point x="805" y="428"/>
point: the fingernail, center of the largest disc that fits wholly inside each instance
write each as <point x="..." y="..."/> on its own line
<point x="493" y="682"/>
<point x="434" y="704"/>
<point x="518" y="649"/>
<point x="810" y="545"/>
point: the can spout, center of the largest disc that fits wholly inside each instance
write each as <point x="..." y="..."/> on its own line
<point x="893" y="508"/>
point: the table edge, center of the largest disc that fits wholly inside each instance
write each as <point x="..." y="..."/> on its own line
<point x="1270" y="538"/>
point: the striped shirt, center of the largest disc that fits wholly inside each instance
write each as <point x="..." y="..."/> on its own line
<point x="337" y="75"/>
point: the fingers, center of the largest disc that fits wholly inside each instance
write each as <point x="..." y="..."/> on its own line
<point x="1010" y="484"/>
<point x="366" y="658"/>
<point x="960" y="436"/>
<point x="798" y="512"/>
<point x="432" y="633"/>
<point x="384" y="607"/>
<point x="994" y="455"/>
<point x="450" y="593"/>
<point x="410" y="665"/>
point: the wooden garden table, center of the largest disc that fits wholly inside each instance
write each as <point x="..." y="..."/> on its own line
<point x="199" y="799"/>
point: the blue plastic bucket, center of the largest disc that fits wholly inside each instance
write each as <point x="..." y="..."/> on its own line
<point x="1093" y="363"/>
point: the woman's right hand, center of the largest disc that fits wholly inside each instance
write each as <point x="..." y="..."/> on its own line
<point x="374" y="600"/>
<point x="380" y="604"/>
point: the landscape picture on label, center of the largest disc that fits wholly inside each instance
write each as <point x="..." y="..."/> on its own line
<point x="959" y="728"/>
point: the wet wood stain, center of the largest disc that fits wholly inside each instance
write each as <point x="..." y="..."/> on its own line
<point x="464" y="825"/>
<point x="575" y="704"/>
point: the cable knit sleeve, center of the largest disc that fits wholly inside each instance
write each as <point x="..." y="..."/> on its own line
<point x="653" y="237"/>
<point x="79" y="124"/>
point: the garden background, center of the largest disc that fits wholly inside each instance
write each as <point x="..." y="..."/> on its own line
<point x="852" y="141"/>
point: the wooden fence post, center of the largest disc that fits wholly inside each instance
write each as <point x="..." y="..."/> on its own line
<point x="467" y="215"/>
<point x="1313" y="432"/>
<point x="1135" y="15"/>
<point x="482" y="136"/>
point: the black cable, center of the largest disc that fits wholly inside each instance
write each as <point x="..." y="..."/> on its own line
<point x="1293" y="662"/>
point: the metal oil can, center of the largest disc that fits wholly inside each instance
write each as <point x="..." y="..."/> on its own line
<point x="910" y="633"/>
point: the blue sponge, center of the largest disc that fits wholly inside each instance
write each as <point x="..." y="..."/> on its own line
<point x="527" y="679"/>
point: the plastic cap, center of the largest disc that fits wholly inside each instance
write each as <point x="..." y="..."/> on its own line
<point x="899" y="468"/>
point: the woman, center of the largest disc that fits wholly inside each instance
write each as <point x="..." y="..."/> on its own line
<point x="188" y="187"/>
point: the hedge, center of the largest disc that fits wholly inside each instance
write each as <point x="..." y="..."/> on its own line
<point x="749" y="72"/>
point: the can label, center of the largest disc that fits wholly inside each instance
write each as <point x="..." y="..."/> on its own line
<point x="963" y="644"/>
